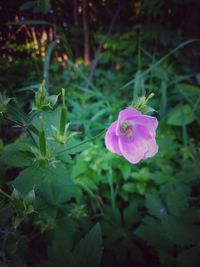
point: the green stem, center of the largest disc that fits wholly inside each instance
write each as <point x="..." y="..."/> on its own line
<point x="22" y="126"/>
<point x="112" y="192"/>
<point x="42" y="139"/>
<point x="6" y="195"/>
<point x="184" y="128"/>
<point x="139" y="58"/>
<point x="82" y="143"/>
<point x="63" y="114"/>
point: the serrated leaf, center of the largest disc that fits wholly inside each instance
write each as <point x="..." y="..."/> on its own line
<point x="57" y="187"/>
<point x="151" y="231"/>
<point x="180" y="232"/>
<point x="64" y="234"/>
<point x="89" y="250"/>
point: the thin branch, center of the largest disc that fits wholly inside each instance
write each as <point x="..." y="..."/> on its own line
<point x="23" y="127"/>
<point x="83" y="142"/>
<point x="6" y="195"/>
<point x="98" y="51"/>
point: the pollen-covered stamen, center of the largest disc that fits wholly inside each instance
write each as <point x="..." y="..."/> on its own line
<point x="127" y="128"/>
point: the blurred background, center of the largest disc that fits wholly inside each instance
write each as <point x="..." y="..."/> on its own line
<point x="100" y="37"/>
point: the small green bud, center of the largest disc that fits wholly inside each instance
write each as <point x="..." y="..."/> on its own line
<point x="3" y="103"/>
<point x="42" y="100"/>
<point x="140" y="103"/>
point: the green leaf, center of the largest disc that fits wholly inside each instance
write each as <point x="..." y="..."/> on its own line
<point x="177" y="201"/>
<point x="141" y="187"/>
<point x="188" y="89"/>
<point x="131" y="214"/>
<point x="180" y="232"/>
<point x="62" y="241"/>
<point x="155" y="206"/>
<point x="198" y="78"/>
<point x="53" y="99"/>
<point x="151" y="231"/>
<point x="28" y="179"/>
<point x="89" y="250"/>
<point x="17" y="155"/>
<point x="27" y="5"/>
<point x="129" y="187"/>
<point x="54" y="184"/>
<point x="57" y="187"/>
<point x="30" y="197"/>
<point x="181" y="115"/>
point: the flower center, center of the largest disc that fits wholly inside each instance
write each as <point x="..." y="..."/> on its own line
<point x="127" y="128"/>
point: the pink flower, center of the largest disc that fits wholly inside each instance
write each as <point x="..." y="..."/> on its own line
<point x="132" y="135"/>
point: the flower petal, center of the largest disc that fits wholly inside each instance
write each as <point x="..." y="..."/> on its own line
<point x="133" y="149"/>
<point x="149" y="140"/>
<point x="111" y="139"/>
<point x="126" y="114"/>
<point x="152" y="149"/>
<point x="149" y="122"/>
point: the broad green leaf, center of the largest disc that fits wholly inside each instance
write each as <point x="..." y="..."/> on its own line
<point x="89" y="250"/>
<point x="188" y="89"/>
<point x="180" y="232"/>
<point x="57" y="187"/>
<point x="151" y="231"/>
<point x="129" y="187"/>
<point x="18" y="159"/>
<point x="62" y="241"/>
<point x="28" y="179"/>
<point x="181" y="115"/>
<point x="132" y="214"/>
<point x="155" y="206"/>
<point x="141" y="187"/>
<point x="177" y="201"/>
<point x="54" y="184"/>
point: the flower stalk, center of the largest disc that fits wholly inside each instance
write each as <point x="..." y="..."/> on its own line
<point x="63" y="114"/>
<point x="42" y="138"/>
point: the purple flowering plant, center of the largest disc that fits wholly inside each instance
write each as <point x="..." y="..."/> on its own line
<point x="133" y="134"/>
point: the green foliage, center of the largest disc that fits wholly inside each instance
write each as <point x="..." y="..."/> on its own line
<point x="64" y="199"/>
<point x="181" y="115"/>
<point x="88" y="251"/>
<point x="42" y="100"/>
